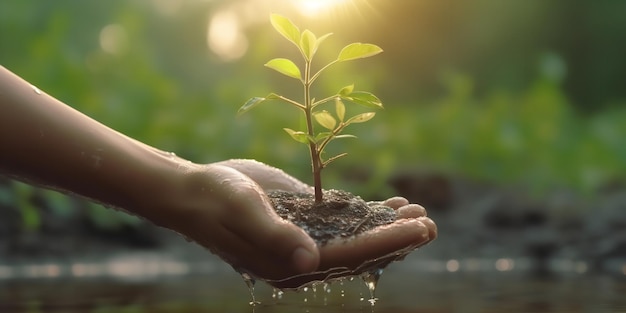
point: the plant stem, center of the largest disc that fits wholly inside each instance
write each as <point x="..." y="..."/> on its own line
<point x="315" y="156"/>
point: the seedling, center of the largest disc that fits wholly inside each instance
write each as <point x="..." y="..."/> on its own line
<point x="332" y="125"/>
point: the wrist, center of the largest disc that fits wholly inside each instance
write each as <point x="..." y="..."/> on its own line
<point x="159" y="195"/>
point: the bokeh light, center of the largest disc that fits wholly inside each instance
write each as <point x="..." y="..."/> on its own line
<point x="225" y="36"/>
<point x="113" y="39"/>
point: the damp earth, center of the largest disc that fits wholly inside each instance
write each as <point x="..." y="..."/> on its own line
<point x="339" y="215"/>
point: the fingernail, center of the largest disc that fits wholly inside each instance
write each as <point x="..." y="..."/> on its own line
<point x="304" y="260"/>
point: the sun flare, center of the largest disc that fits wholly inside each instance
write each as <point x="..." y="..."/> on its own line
<point x="315" y="7"/>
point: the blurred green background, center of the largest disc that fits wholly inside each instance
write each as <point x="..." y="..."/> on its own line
<point x="527" y="93"/>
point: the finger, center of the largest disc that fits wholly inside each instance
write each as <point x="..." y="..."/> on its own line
<point x="374" y="243"/>
<point x="278" y="261"/>
<point x="411" y="211"/>
<point x="395" y="202"/>
<point x="430" y="224"/>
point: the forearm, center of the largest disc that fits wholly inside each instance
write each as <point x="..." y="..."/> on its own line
<point x="48" y="143"/>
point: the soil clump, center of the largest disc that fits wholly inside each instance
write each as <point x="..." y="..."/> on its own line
<point x="339" y="215"/>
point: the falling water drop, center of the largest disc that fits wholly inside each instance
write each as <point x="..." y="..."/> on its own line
<point x="371" y="279"/>
<point x="277" y="294"/>
<point x="250" y="283"/>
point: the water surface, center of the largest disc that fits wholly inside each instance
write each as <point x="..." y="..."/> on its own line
<point x="401" y="289"/>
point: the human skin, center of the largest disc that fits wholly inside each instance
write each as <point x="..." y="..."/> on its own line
<point x="221" y="206"/>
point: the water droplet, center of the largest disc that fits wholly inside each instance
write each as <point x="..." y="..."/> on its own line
<point x="250" y="283"/>
<point x="35" y="89"/>
<point x="343" y="293"/>
<point x="277" y="294"/>
<point x="171" y="154"/>
<point x="371" y="279"/>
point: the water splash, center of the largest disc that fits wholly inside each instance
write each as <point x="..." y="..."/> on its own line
<point x="250" y="283"/>
<point x="326" y="287"/>
<point x="370" y="279"/>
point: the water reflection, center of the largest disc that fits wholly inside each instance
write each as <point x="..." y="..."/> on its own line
<point x="500" y="285"/>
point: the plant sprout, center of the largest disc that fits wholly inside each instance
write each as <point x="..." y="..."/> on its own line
<point x="333" y="125"/>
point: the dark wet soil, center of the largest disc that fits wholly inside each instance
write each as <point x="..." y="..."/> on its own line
<point x="339" y="215"/>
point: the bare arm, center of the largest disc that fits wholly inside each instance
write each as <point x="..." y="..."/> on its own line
<point x="48" y="143"/>
<point x="221" y="206"/>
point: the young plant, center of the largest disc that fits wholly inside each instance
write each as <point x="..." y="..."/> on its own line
<point x="332" y="126"/>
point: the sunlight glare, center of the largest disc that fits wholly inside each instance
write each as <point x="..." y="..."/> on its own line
<point x="315" y="7"/>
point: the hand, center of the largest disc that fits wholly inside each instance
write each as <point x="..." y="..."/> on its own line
<point x="227" y="212"/>
<point x="344" y="257"/>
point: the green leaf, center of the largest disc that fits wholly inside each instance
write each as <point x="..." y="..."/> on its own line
<point x="325" y="119"/>
<point x="345" y="136"/>
<point x="308" y="44"/>
<point x="250" y="104"/>
<point x="346" y="91"/>
<point x="340" y="108"/>
<point x="361" y="118"/>
<point x="321" y="136"/>
<point x="321" y="39"/>
<point x="364" y="98"/>
<point x="298" y="135"/>
<point x="358" y="50"/>
<point x="285" y="67"/>
<point x="285" y="27"/>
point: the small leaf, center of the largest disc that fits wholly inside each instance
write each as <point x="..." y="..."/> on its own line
<point x="321" y="39"/>
<point x="250" y="104"/>
<point x="364" y="98"/>
<point x="298" y="135"/>
<point x="285" y="27"/>
<point x="325" y="119"/>
<point x="363" y="117"/>
<point x="285" y="67"/>
<point x="321" y="136"/>
<point x="345" y="136"/>
<point x="340" y="108"/>
<point x="308" y="44"/>
<point x="358" y="50"/>
<point x="346" y="91"/>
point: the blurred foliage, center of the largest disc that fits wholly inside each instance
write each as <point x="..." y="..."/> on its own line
<point x="526" y="92"/>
